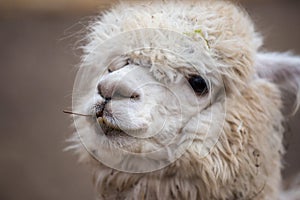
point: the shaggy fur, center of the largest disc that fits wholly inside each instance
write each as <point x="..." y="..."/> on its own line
<point x="245" y="162"/>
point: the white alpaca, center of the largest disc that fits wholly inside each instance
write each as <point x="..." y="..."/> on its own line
<point x="181" y="105"/>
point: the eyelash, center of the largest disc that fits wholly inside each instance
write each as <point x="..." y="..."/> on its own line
<point x="117" y="63"/>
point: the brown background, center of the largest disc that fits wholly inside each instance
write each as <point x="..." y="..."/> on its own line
<point x="37" y="72"/>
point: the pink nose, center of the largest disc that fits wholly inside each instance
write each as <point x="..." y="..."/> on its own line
<point x="111" y="89"/>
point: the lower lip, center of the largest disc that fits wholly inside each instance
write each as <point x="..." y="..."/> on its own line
<point x="108" y="129"/>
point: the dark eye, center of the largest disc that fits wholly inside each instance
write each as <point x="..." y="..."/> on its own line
<point x="198" y="84"/>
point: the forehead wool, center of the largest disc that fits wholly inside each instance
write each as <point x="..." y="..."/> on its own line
<point x="216" y="37"/>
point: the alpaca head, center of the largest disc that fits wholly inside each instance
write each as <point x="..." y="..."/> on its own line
<point x="180" y="90"/>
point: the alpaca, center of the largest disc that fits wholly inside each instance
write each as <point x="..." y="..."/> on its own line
<point x="177" y="102"/>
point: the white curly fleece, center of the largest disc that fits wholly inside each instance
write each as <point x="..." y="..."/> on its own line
<point x="221" y="42"/>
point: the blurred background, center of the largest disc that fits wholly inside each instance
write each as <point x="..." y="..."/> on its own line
<point x="37" y="68"/>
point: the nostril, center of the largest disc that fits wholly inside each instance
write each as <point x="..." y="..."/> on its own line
<point x="107" y="99"/>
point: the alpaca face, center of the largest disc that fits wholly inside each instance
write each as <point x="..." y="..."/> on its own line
<point x="137" y="110"/>
<point x="132" y="101"/>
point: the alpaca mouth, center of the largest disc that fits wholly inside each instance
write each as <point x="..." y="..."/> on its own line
<point x="107" y="127"/>
<point x="110" y="129"/>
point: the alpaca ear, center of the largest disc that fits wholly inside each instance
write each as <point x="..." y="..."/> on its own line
<point x="283" y="69"/>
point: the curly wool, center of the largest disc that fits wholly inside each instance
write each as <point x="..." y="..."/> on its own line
<point x="226" y="29"/>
